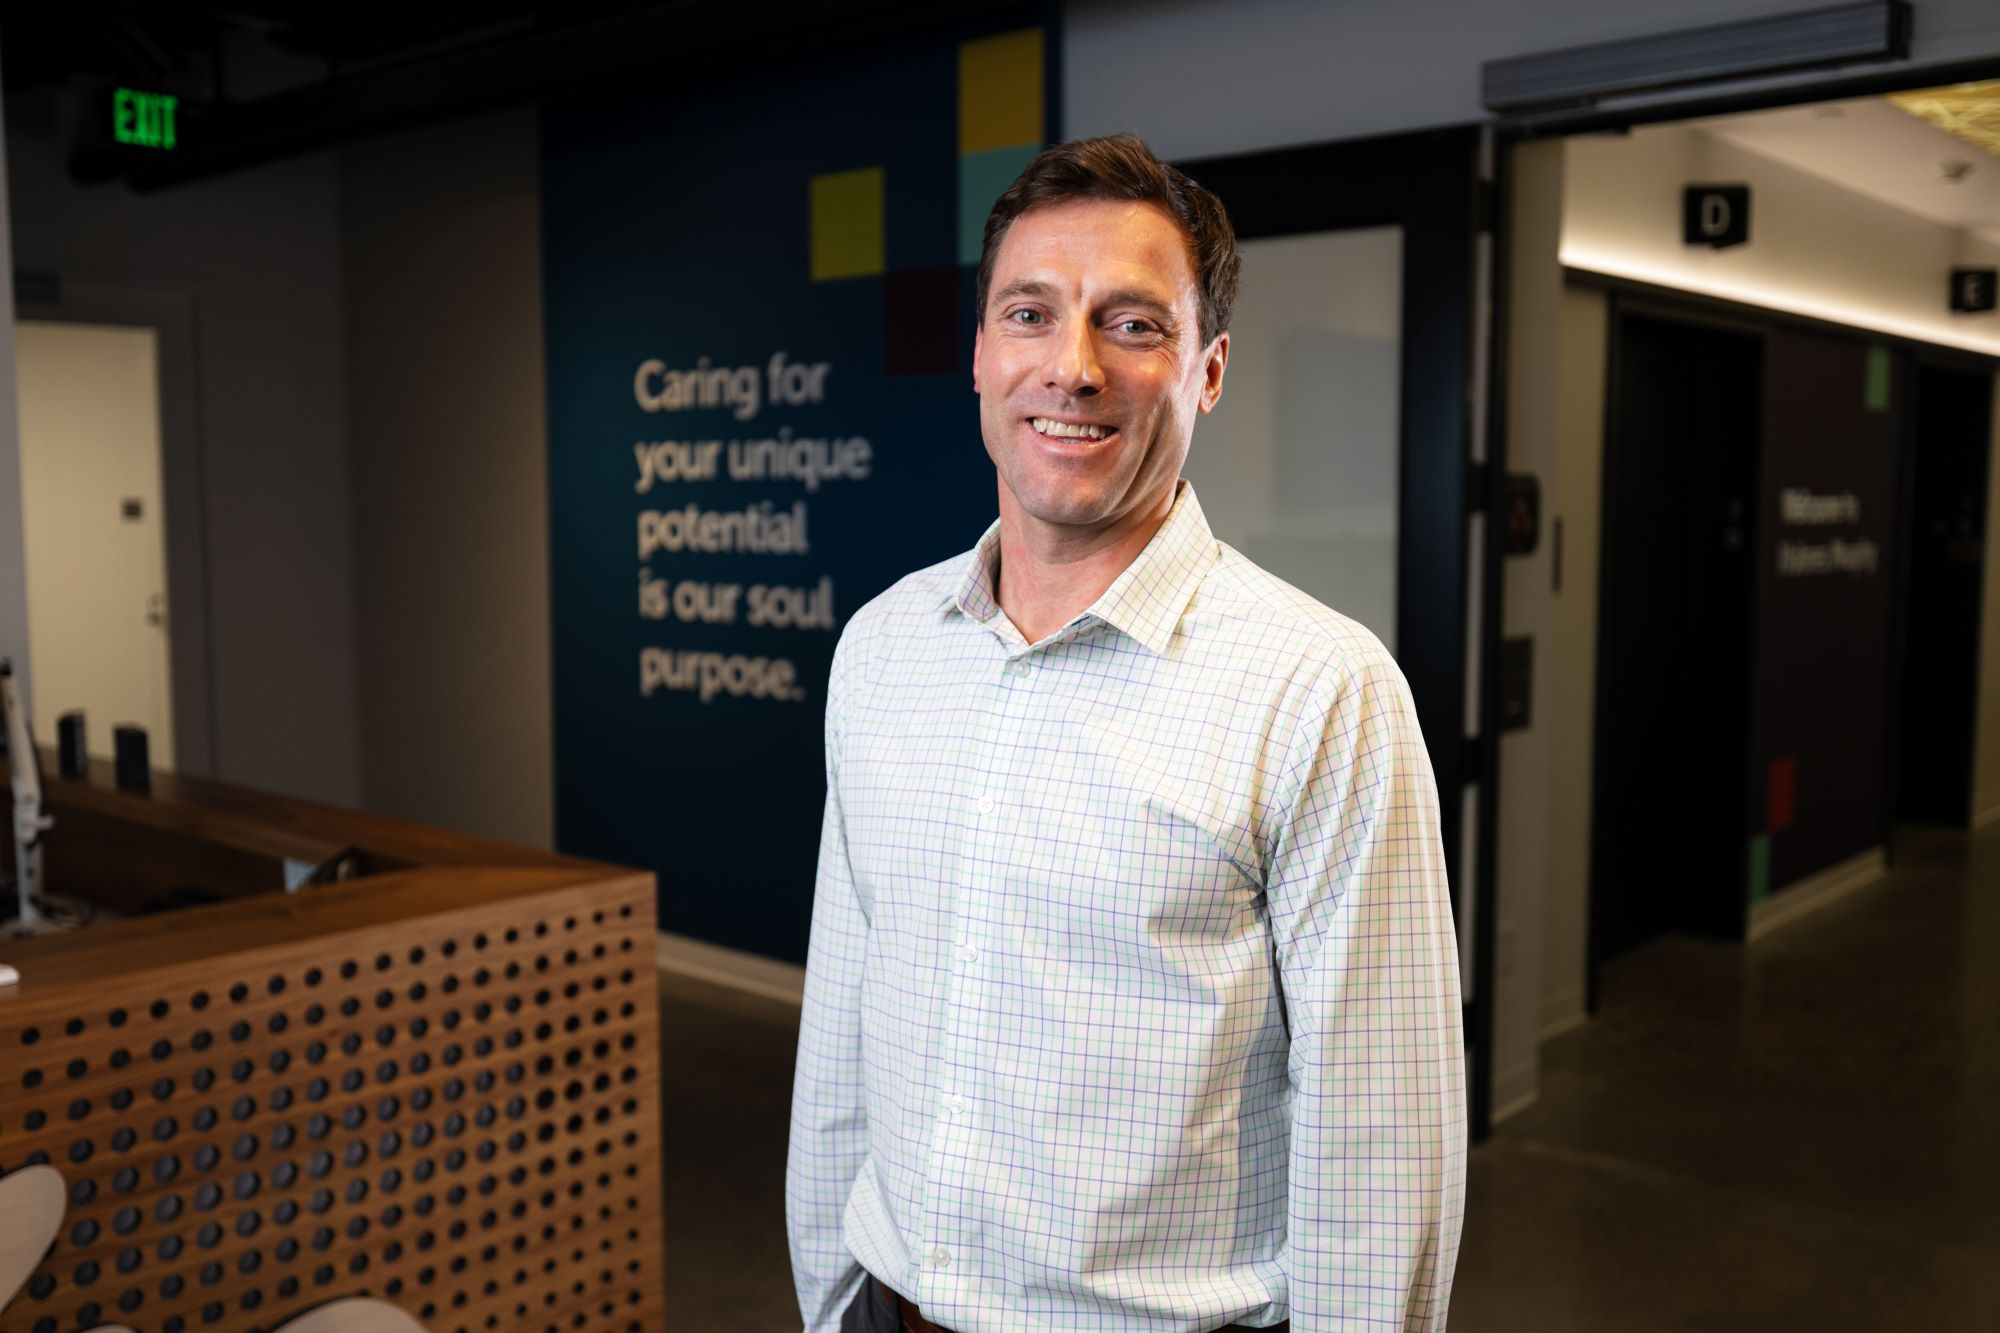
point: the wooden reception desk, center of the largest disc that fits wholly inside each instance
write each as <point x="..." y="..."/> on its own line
<point x="436" y="1083"/>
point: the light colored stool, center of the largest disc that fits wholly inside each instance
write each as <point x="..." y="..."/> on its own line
<point x="33" y="1200"/>
<point x="353" y="1315"/>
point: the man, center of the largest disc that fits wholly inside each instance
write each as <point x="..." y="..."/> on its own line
<point x="1133" y="995"/>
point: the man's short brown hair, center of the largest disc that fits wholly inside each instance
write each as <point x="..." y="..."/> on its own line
<point x="1122" y="167"/>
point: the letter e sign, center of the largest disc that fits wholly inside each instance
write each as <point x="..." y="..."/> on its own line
<point x="1973" y="290"/>
<point x="1716" y="215"/>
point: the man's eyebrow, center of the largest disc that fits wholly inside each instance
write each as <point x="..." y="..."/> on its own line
<point x="1032" y="287"/>
<point x="1153" y="305"/>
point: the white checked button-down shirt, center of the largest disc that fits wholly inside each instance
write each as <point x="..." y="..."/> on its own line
<point x="1133" y="996"/>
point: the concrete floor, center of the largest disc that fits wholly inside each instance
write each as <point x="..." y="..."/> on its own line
<point x="1801" y="1134"/>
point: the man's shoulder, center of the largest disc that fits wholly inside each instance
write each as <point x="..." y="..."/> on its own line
<point x="1243" y="599"/>
<point x="921" y="592"/>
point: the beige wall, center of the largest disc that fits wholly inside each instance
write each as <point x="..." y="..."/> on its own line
<point x="1816" y="249"/>
<point x="442" y="254"/>
<point x="1534" y="304"/>
<point x="13" y="556"/>
<point x="1575" y="499"/>
<point x="255" y="254"/>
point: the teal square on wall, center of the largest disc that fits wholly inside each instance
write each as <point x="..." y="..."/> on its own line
<point x="982" y="178"/>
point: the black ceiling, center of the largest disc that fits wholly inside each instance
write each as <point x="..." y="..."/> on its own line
<point x="265" y="80"/>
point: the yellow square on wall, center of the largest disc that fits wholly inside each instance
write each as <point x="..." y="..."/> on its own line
<point x="1000" y="91"/>
<point x="846" y="222"/>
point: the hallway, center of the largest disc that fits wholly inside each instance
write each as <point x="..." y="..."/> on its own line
<point x="1805" y="1134"/>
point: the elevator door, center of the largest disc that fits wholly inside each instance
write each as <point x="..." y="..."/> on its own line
<point x="1946" y="556"/>
<point x="1673" y="686"/>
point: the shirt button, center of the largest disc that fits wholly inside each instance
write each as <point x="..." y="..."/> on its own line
<point x="984" y="805"/>
<point x="968" y="953"/>
<point x="955" y="1104"/>
<point x="1018" y="667"/>
<point x="940" y="1257"/>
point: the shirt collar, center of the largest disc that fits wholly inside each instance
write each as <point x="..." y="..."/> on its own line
<point x="1145" y="601"/>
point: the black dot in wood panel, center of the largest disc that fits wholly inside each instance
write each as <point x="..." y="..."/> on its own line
<point x="352" y="1117"/>
<point x="204" y="1119"/>
<point x="284" y="1173"/>
<point x="202" y="1039"/>
<point x="169" y="1248"/>
<point x="89" y="1313"/>
<point x="126" y="1220"/>
<point x="349" y="1007"/>
<point x="78" y="1068"/>
<point x="280" y="1099"/>
<point x="80" y="1151"/>
<point x="317" y="1166"/>
<point x="166" y="1169"/>
<point x="207" y="1195"/>
<point x="349" y="1044"/>
<point x="122" y="1139"/>
<point x="246" y="1186"/>
<point x="251" y="1299"/>
<point x="450" y="984"/>
<point x="163" y="1089"/>
<point x="83" y="1233"/>
<point x="86" y="1273"/>
<point x="239" y="993"/>
<point x="203" y="1080"/>
<point x="241" y="1070"/>
<point x="384" y="999"/>
<point x="162" y="1049"/>
<point x="239" y="1031"/>
<point x="121" y="1099"/>
<point x="168" y="1208"/>
<point x="318" y="1127"/>
<point x="211" y="1272"/>
<point x="249" y="1223"/>
<point x="315" y="1013"/>
<point x="323" y="1275"/>
<point x="213" y="1312"/>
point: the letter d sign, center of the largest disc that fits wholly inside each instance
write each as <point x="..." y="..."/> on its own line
<point x="1716" y="216"/>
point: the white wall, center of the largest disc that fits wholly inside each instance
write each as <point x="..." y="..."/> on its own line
<point x="258" y="251"/>
<point x="440" y="232"/>
<point x="1198" y="77"/>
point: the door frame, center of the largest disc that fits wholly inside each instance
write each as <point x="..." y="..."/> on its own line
<point x="172" y="314"/>
<point x="1437" y="187"/>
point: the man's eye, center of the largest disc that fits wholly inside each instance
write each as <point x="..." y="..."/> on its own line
<point x="1134" y="327"/>
<point x="1026" y="316"/>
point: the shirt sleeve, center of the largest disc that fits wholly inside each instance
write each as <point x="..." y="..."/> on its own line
<point x="829" y="1135"/>
<point x="1362" y="926"/>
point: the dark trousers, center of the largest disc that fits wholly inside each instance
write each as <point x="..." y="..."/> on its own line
<point x="874" y="1311"/>
<point x="870" y="1313"/>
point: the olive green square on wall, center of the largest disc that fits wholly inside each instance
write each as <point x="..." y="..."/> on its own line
<point x="1876" y="393"/>
<point x="1760" y="867"/>
<point x="846" y="214"/>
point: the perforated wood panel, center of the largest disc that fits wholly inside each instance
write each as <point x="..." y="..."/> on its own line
<point x="456" y="1112"/>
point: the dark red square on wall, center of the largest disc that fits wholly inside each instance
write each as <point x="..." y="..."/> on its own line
<point x="1784" y="793"/>
<point x="920" y="321"/>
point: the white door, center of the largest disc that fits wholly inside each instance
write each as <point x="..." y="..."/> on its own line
<point x="95" y="533"/>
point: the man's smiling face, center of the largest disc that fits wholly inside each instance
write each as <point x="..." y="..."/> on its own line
<point x="1089" y="365"/>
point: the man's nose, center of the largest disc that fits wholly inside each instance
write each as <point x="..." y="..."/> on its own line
<point x="1074" y="368"/>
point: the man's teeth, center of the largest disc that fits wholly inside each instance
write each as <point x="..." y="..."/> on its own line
<point x="1050" y="427"/>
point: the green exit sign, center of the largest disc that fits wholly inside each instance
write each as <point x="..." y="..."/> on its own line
<point x="144" y="120"/>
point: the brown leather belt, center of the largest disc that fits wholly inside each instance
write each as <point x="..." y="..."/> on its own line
<point x="914" y="1322"/>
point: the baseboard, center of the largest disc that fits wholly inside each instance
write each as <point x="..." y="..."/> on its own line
<point x="1515" y="1089"/>
<point x="731" y="967"/>
<point x="1562" y="1012"/>
<point x="1806" y="896"/>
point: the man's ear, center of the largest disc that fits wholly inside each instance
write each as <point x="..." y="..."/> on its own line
<point x="1211" y="370"/>
<point x="978" y="346"/>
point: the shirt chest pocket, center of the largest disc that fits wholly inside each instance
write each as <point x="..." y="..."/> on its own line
<point x="1108" y="849"/>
